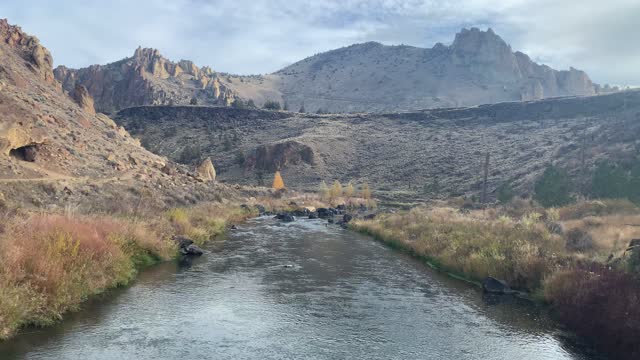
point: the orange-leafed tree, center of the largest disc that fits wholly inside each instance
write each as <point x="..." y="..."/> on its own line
<point x="277" y="181"/>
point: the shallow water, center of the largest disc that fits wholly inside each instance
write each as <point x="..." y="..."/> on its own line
<point x="299" y="291"/>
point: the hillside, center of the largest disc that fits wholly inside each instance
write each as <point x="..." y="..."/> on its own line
<point x="442" y="149"/>
<point x="57" y="150"/>
<point x="479" y="67"/>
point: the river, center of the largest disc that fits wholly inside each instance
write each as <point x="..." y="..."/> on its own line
<point x="300" y="290"/>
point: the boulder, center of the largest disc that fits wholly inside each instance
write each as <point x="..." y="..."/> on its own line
<point x="206" y="171"/>
<point x="313" y="215"/>
<point x="191" y="250"/>
<point x="347" y="218"/>
<point x="492" y="285"/>
<point x="182" y="241"/>
<point x="370" y="216"/>
<point x="324" y="213"/>
<point x="261" y="209"/>
<point x="285" y="217"/>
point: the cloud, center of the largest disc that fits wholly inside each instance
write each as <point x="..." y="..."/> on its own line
<point x="260" y="36"/>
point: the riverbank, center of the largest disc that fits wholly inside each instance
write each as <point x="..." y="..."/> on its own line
<point x="574" y="258"/>
<point x="54" y="261"/>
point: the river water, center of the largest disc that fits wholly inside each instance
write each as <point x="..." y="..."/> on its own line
<point x="299" y="290"/>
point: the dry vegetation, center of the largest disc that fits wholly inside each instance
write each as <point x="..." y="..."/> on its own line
<point x="51" y="263"/>
<point x="573" y="257"/>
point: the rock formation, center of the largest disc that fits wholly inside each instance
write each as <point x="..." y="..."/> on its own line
<point x="28" y="47"/>
<point x="206" y="171"/>
<point x="83" y="98"/>
<point x="278" y="156"/>
<point x="146" y="78"/>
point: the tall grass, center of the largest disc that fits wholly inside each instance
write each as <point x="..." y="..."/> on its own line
<point x="520" y="252"/>
<point x="572" y="257"/>
<point x="51" y="263"/>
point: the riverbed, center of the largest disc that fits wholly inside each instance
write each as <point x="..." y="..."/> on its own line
<point x="300" y="290"/>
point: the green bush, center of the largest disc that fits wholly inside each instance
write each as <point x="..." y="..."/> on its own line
<point x="505" y="193"/>
<point x="271" y="105"/>
<point x="553" y="188"/>
<point x="609" y="181"/>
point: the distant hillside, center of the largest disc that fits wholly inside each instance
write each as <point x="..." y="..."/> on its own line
<point x="442" y="149"/>
<point x="55" y="149"/>
<point x="477" y="68"/>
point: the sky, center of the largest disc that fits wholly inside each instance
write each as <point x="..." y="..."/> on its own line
<point x="262" y="36"/>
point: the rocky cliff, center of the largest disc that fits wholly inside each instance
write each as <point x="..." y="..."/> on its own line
<point x="147" y="78"/>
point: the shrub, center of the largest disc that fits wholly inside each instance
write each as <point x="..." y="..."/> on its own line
<point x="578" y="240"/>
<point x="597" y="208"/>
<point x="600" y="304"/>
<point x="505" y="193"/>
<point x="365" y="193"/>
<point x="278" y="183"/>
<point x="336" y="190"/>
<point x="609" y="181"/>
<point x="323" y="189"/>
<point x="271" y="105"/>
<point x="553" y="188"/>
<point x="190" y="154"/>
<point x="348" y="190"/>
<point x="238" y="104"/>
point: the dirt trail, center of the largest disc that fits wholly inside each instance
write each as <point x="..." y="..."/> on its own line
<point x="53" y="176"/>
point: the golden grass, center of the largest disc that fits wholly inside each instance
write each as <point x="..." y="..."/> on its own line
<point x="51" y="263"/>
<point x="594" y="293"/>
<point x="519" y="251"/>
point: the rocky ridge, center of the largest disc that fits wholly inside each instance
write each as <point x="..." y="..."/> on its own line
<point x="147" y="78"/>
<point x="479" y="67"/>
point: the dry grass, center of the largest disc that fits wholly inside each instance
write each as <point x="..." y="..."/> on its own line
<point x="582" y="270"/>
<point x="51" y="263"/>
<point x="519" y="251"/>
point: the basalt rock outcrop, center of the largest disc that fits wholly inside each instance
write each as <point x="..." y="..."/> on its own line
<point x="273" y="157"/>
<point x="147" y="78"/>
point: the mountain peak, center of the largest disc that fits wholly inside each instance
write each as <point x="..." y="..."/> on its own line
<point x="475" y="40"/>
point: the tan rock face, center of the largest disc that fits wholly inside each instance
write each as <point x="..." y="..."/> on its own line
<point x="146" y="78"/>
<point x="206" y="171"/>
<point x="29" y="48"/>
<point x="83" y="98"/>
<point x="15" y="136"/>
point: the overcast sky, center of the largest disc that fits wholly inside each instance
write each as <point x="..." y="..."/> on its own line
<point x="260" y="36"/>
